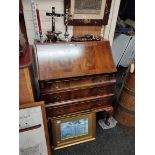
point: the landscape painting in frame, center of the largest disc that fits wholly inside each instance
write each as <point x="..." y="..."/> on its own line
<point x="74" y="129"/>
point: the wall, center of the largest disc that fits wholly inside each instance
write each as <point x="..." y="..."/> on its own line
<point x="45" y="6"/>
<point x="123" y="49"/>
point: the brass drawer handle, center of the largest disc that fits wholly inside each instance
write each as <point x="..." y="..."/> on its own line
<point x="57" y="98"/>
<point x="98" y="90"/>
<point x="55" y="85"/>
<point x="42" y="85"/>
<point x="99" y="103"/>
<point x="98" y="80"/>
<point x="101" y="90"/>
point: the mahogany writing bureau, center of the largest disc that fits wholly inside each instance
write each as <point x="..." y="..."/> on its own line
<point x="75" y="77"/>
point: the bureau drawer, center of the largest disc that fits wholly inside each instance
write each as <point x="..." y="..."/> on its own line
<point x="55" y="85"/>
<point x="78" y="93"/>
<point x="65" y="108"/>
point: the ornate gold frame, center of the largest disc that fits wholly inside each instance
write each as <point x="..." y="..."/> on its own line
<point x="58" y="143"/>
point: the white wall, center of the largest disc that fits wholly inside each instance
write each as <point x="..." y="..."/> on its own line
<point x="110" y="28"/>
<point x="46" y="6"/>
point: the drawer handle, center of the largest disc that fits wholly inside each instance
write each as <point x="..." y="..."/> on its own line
<point x="55" y="86"/>
<point x="101" y="90"/>
<point x="98" y="80"/>
<point x="42" y="85"/>
<point x="98" y="102"/>
<point x="98" y="90"/>
<point x="57" y="98"/>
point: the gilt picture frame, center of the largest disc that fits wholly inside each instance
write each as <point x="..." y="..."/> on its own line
<point x="88" y="12"/>
<point x="74" y="129"/>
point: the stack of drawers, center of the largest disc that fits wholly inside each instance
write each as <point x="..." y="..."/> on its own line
<point x="77" y="94"/>
<point x="76" y="77"/>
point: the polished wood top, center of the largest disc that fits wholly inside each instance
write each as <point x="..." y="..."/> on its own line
<point x="63" y="60"/>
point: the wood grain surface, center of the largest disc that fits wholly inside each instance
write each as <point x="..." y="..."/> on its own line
<point x="76" y="83"/>
<point x="76" y="93"/>
<point x="89" y="104"/>
<point x="25" y="87"/>
<point x="125" y="113"/>
<point x="83" y="30"/>
<point x="64" y="60"/>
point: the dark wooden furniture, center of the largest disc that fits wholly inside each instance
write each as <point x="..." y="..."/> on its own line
<point x="25" y="85"/>
<point x="75" y="77"/>
<point x="89" y="22"/>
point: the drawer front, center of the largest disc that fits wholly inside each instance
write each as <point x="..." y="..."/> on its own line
<point x="77" y="93"/>
<point x="55" y="85"/>
<point x="78" y="106"/>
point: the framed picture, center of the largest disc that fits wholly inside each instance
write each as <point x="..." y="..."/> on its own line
<point x="88" y="12"/>
<point x="33" y="133"/>
<point x="75" y="129"/>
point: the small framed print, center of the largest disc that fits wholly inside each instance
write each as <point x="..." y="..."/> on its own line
<point x="88" y="12"/>
<point x="75" y="129"/>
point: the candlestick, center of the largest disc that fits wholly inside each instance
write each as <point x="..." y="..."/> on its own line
<point x="39" y="25"/>
<point x="39" y="22"/>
